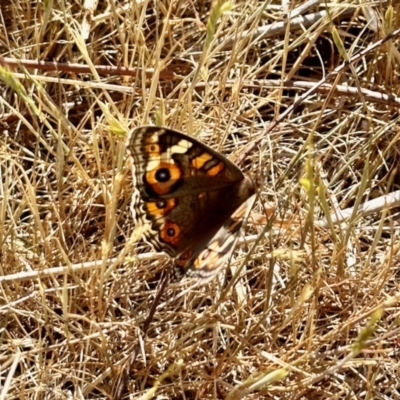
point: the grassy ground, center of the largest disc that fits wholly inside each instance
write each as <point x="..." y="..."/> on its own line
<point x="313" y="312"/>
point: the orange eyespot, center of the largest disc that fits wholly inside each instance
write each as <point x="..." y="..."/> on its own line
<point x="153" y="150"/>
<point x="163" y="177"/>
<point x="181" y="261"/>
<point x="160" y="207"/>
<point x="170" y="233"/>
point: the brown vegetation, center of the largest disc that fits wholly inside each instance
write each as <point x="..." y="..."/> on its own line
<point x="311" y="312"/>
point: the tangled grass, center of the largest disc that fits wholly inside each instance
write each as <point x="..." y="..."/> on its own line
<point x="307" y="308"/>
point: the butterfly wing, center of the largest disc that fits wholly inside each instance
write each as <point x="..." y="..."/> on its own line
<point x="206" y="263"/>
<point x="187" y="191"/>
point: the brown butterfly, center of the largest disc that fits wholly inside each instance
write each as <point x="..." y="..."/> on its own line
<point x="193" y="198"/>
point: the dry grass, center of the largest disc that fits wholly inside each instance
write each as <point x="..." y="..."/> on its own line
<point x="313" y="314"/>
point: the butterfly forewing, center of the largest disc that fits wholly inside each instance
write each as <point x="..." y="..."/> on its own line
<point x="188" y="194"/>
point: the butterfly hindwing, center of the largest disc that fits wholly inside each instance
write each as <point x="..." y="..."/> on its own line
<point x="207" y="262"/>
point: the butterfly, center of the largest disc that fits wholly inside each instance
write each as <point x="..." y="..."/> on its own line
<point x="194" y="199"/>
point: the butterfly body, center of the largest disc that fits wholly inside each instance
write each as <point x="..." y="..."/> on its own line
<point x="194" y="199"/>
